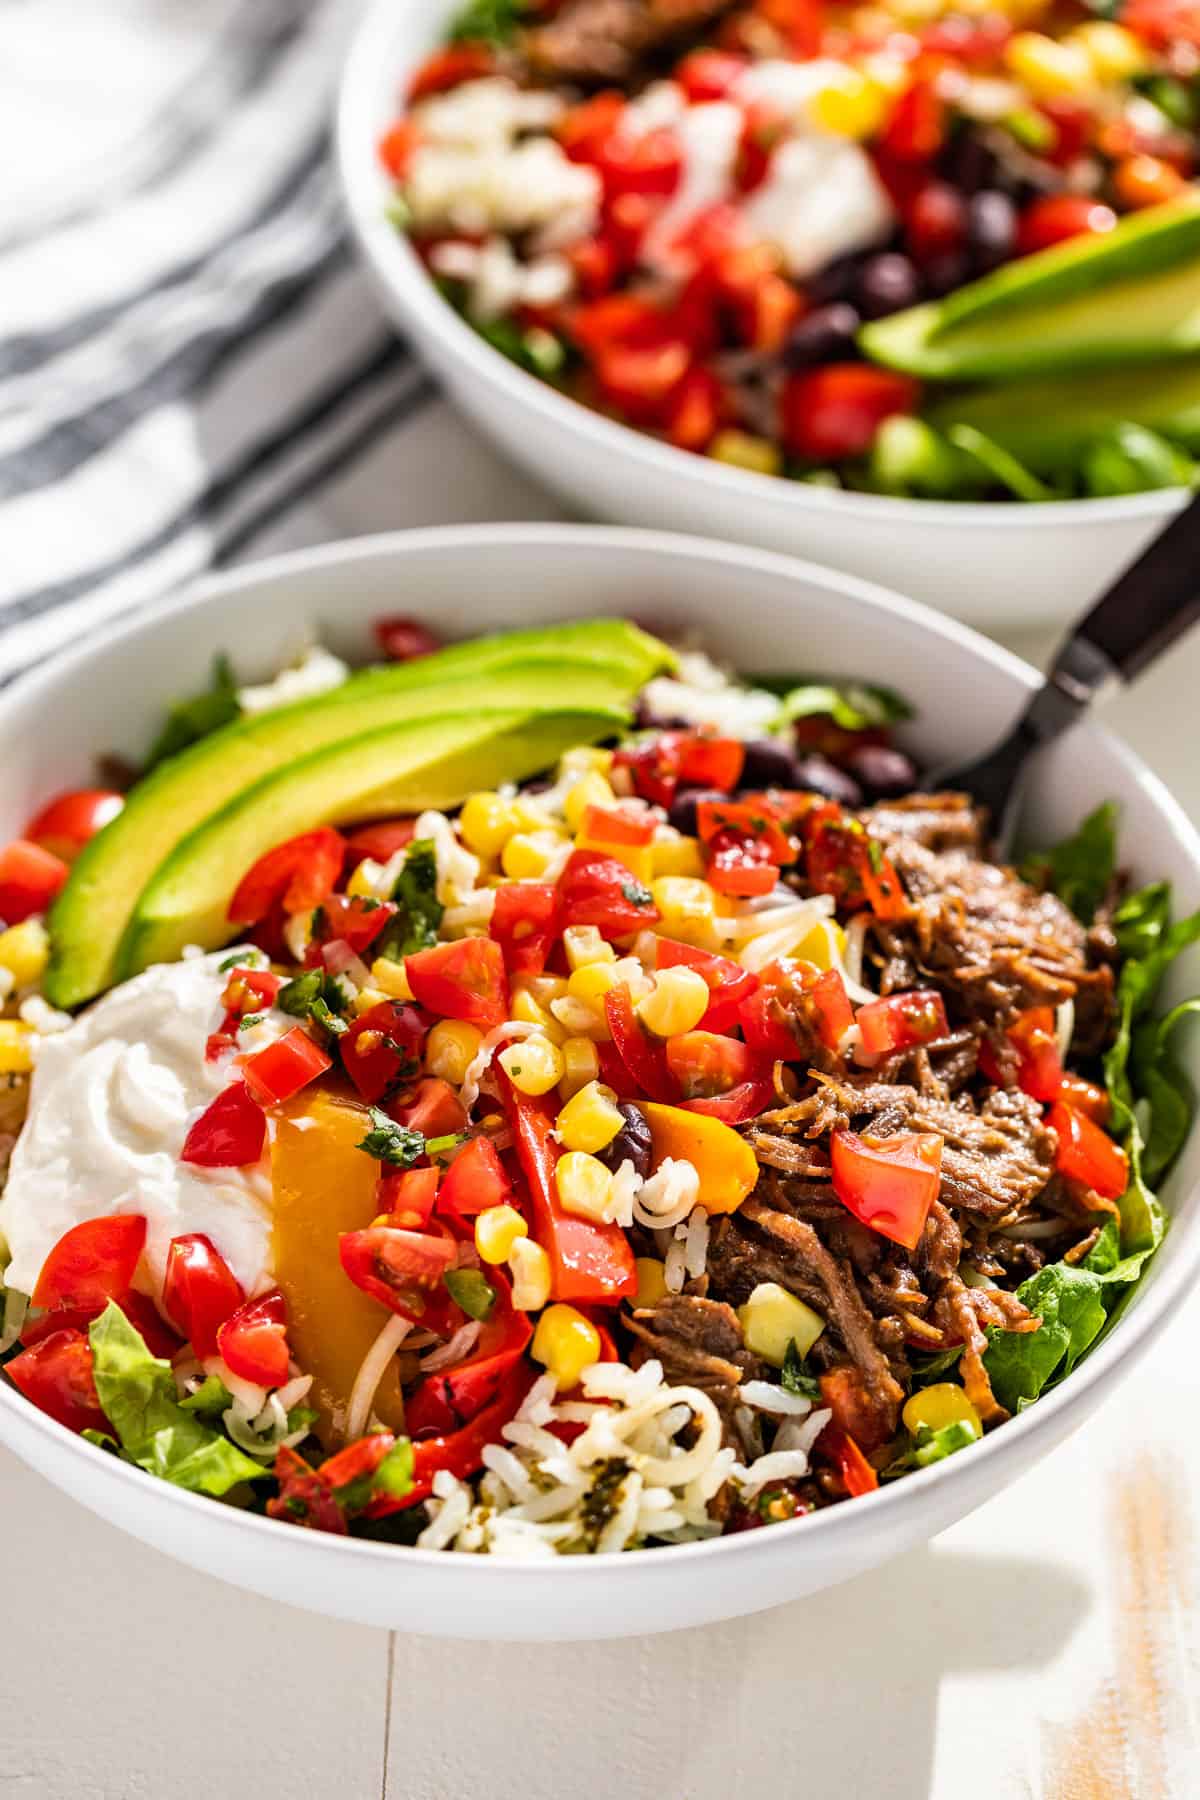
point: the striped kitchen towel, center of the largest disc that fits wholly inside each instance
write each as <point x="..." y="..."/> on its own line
<point x="192" y="369"/>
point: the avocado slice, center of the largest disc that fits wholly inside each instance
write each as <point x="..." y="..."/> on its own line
<point x="1129" y="295"/>
<point x="598" y="662"/>
<point x="432" y="762"/>
<point x="1048" y="424"/>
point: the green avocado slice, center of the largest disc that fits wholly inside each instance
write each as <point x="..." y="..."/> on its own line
<point x="598" y="663"/>
<point x="1048" y="424"/>
<point x="1128" y="295"/>
<point x="433" y="762"/>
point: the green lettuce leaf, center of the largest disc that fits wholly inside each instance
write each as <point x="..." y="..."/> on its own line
<point x="190" y="720"/>
<point x="853" y="706"/>
<point x="1157" y="1077"/>
<point x="137" y="1394"/>
<point x="1080" y="869"/>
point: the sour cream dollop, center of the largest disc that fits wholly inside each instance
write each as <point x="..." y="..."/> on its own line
<point x="111" y="1101"/>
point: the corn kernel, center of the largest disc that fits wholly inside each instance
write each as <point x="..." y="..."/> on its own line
<point x="581" y="1064"/>
<point x="822" y="944"/>
<point x="497" y="1229"/>
<point x="772" y="1319"/>
<point x="677" y="1002"/>
<point x="592" y="789"/>
<point x="486" y="823"/>
<point x="891" y="73"/>
<point x="1048" y="68"/>
<point x="528" y="854"/>
<point x="366" y="998"/>
<point x="362" y="881"/>
<point x="584" y="757"/>
<point x="1115" y="53"/>
<point x="688" y="908"/>
<point x="584" y="944"/>
<point x="590" y="1119"/>
<point x="591" y="982"/>
<point x="25" y="951"/>
<point x="565" y="1343"/>
<point x="742" y="450"/>
<point x="579" y="1019"/>
<point x="16" y="1048"/>
<point x="531" y="1275"/>
<point x="583" y="1184"/>
<point x="392" y="977"/>
<point x="534" y="1065"/>
<point x="674" y="854"/>
<point x="938" y="1406"/>
<point x="851" y="105"/>
<point x="530" y="1012"/>
<point x="651" y="1281"/>
<point x="545" y="988"/>
<point x="450" y="1048"/>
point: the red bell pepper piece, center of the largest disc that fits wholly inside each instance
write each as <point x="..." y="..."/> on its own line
<point x="526" y="922"/>
<point x="253" y="1340"/>
<point x="229" y="1134"/>
<point x="460" y="1452"/>
<point x="300" y="873"/>
<point x="382" y="1048"/>
<point x="200" y="1290"/>
<point x="55" y="1374"/>
<point x="279" y="1070"/>
<point x="643" y="1056"/>
<point x="842" y="1451"/>
<point x="92" y="1263"/>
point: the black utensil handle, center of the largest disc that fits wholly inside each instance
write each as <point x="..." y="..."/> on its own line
<point x="1150" y="604"/>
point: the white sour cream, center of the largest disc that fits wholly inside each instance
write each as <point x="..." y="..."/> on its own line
<point x="111" y="1101"/>
<point x="821" y="199"/>
<point x="709" y="137"/>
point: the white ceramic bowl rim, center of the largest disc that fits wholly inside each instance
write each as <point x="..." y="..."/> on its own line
<point x="907" y="1494"/>
<point x="398" y="266"/>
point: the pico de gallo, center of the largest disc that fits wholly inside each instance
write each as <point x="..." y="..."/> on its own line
<point x="696" y="218"/>
<point x="697" y="1136"/>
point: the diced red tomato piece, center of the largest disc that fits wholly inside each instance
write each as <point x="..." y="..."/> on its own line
<point x="402" y="639"/>
<point x="72" y="820"/>
<point x="618" y="320"/>
<point x="200" y="1290"/>
<point x="382" y="1049"/>
<point x="300" y="873"/>
<point x="30" y="877"/>
<point x="396" y="147"/>
<point x="407" y="1197"/>
<point x="706" y="1064"/>
<point x="843" y="860"/>
<point x="403" y="1270"/>
<point x="460" y="1452"/>
<point x="463" y="980"/>
<point x="916" y="130"/>
<point x="138" y="1308"/>
<point x="597" y="890"/>
<point x="279" y="1070"/>
<point x="644" y="1057"/>
<point x="1039" y="1065"/>
<point x="709" y="74"/>
<point x="745" y="845"/>
<point x="526" y="922"/>
<point x="431" y="1107"/>
<point x="56" y="1376"/>
<point x="801" y="22"/>
<point x="888" y="1183"/>
<point x="349" y="919"/>
<point x="450" y="1399"/>
<point x="597" y="262"/>
<point x="970" y="41"/>
<point x="1086" y="1153"/>
<point x="92" y="1263"/>
<point x="835" y="411"/>
<point x="752" y="818"/>
<point x="586" y="129"/>
<point x="1162" y="23"/>
<point x="743" y="1102"/>
<point x="253" y="1340"/>
<point x="380" y="842"/>
<point x="695" y="411"/>
<point x="474" y="1181"/>
<point x="794" y="1001"/>
<point x="450" y="67"/>
<point x="675" y="758"/>
<point x="249" y="990"/>
<point x="902" y="1021"/>
<point x="728" y="983"/>
<point x="1073" y="122"/>
<point x="651" y="163"/>
<point x="845" y="1392"/>
<point x="230" y="1132"/>
<point x="1056" y="217"/>
<point x="639" y="380"/>
<point x="608" y="825"/>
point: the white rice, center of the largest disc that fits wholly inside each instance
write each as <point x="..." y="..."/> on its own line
<point x="769" y="1397"/>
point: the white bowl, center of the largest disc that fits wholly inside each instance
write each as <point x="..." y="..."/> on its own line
<point x="990" y="564"/>
<point x="754" y="608"/>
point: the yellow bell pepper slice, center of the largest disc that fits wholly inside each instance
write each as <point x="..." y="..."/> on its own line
<point x="724" y="1161"/>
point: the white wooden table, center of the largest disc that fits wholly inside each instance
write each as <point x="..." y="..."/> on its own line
<point x="1045" y="1649"/>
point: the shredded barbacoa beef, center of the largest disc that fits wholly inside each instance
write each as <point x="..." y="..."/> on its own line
<point x="600" y="41"/>
<point x="993" y="947"/>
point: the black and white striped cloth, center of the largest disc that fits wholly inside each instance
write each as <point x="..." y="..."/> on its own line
<point x="191" y="368"/>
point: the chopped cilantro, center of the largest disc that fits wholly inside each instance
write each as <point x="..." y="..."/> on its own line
<point x="250" y="1020"/>
<point x="492" y="22"/>
<point x="398" y="1146"/>
<point x="796" y="1378"/>
<point x="414" y="926"/>
<point x="636" y="894"/>
<point x="315" y="995"/>
<point x="242" y="959"/>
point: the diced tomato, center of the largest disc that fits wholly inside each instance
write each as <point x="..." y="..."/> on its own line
<point x="597" y="262"/>
<point x="279" y="1070"/>
<point x="888" y="1183"/>
<point x="230" y="1132"/>
<point x="709" y="74"/>
<point x="450" y="67"/>
<point x="526" y="922"/>
<point x="916" y="130"/>
<point x="585" y="130"/>
<point x="843" y="860"/>
<point x="689" y="758"/>
<point x="451" y="1398"/>
<point x="30" y="877"/>
<point x="844" y="1391"/>
<point x="380" y="842"/>
<point x="835" y="411"/>
<point x="200" y="1290"/>
<point x="764" y="129"/>
<point x="402" y="639"/>
<point x="300" y="873"/>
<point x="305" y="1497"/>
<point x="407" y="1197"/>
<point x="841" y="1450"/>
<point x="249" y="990"/>
<point x="1086" y="1153"/>
<point x="728" y="983"/>
<point x="743" y="1102"/>
<point x="617" y="319"/>
<point x="597" y="890"/>
<point x="651" y="163"/>
<point x="639" y="380"/>
<point x="1163" y="23"/>
<point x="72" y="820"/>
<point x="745" y="845"/>
<point x="1073" y="122"/>
<point x="1086" y="1098"/>
<point x="902" y="1021"/>
<point x="460" y="1452"/>
<point x="695" y="412"/>
<point x="1039" y="1065"/>
<point x="835" y="1015"/>
<point x="608" y="825"/>
<point x="705" y="1064"/>
<point x="936" y="221"/>
<point x="56" y="1376"/>
<point x="403" y="1270"/>
<point x="1054" y="218"/>
<point x="971" y="41"/>
<point x="795" y="1002"/>
<point x="431" y="1107"/>
<point x="253" y="1340"/>
<point x="349" y="919"/>
<point x="768" y="1026"/>
<point x="138" y="1308"/>
<point x="383" y="1048"/>
<point x="474" y="1181"/>
<point x="463" y="980"/>
<point x="766" y="314"/>
<point x="644" y="1057"/>
<point x="588" y="1261"/>
<point x="801" y="22"/>
<point x="92" y="1263"/>
<point x="396" y="147"/>
<point x="752" y="818"/>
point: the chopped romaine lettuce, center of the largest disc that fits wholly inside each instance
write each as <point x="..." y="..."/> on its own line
<point x="1081" y="868"/>
<point x="190" y="720"/>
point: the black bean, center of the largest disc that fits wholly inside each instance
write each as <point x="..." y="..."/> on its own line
<point x="682" y="811"/>
<point x="768" y="764"/>
<point x="835" y="281"/>
<point x="632" y="1143"/>
<point x="948" y="271"/>
<point x="823" y="334"/>
<point x="882" y="771"/>
<point x="646" y="719"/>
<point x="968" y="162"/>
<point x="823" y="777"/>
<point x="887" y="284"/>
<point x="991" y="229"/>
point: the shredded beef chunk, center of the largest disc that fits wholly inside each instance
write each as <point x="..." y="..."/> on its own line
<point x="698" y="1342"/>
<point x="609" y="40"/>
